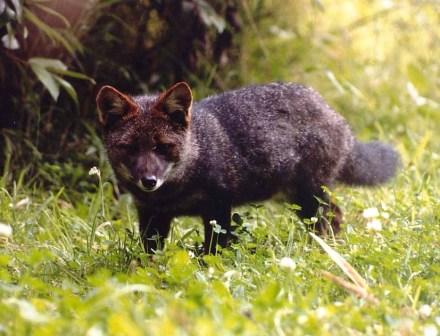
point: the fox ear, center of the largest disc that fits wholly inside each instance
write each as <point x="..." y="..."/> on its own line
<point x="176" y="103"/>
<point x="114" y="105"/>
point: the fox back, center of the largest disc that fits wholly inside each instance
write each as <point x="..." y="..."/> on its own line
<point x="182" y="158"/>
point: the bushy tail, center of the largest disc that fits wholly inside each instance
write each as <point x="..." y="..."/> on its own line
<point x="369" y="164"/>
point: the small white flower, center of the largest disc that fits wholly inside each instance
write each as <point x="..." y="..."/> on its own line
<point x="388" y="4"/>
<point x="321" y="312"/>
<point x="374" y="225"/>
<point x="370" y="213"/>
<point x="287" y="263"/>
<point x="27" y="310"/>
<point x="430" y="330"/>
<point x="425" y="311"/>
<point x="385" y="215"/>
<point x="21" y="203"/>
<point x="5" y="232"/>
<point x="94" y="171"/>
<point x="229" y="274"/>
<point x="302" y="319"/>
<point x="95" y="331"/>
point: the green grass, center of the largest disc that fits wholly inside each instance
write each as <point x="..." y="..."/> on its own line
<point x="74" y="263"/>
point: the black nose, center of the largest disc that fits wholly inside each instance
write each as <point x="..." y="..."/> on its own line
<point x="149" y="182"/>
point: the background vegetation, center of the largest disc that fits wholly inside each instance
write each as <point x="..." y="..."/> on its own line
<point x="73" y="262"/>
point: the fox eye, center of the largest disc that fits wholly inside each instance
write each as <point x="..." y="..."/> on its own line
<point x="162" y="148"/>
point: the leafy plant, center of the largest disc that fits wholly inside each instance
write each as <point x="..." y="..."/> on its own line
<point x="16" y="18"/>
<point x="49" y="59"/>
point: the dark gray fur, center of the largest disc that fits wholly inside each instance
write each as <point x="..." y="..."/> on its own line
<point x="249" y="144"/>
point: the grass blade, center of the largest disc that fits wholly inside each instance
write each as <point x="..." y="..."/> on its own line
<point x="351" y="288"/>
<point x="341" y="262"/>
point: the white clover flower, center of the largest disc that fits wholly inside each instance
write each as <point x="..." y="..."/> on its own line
<point x="229" y="274"/>
<point x="25" y="201"/>
<point x="95" y="331"/>
<point x="370" y="213"/>
<point x="430" y="330"/>
<point x="287" y="263"/>
<point x="385" y="215"/>
<point x="425" y="311"/>
<point x="27" y="310"/>
<point x="374" y="225"/>
<point x="321" y="313"/>
<point x="5" y="232"/>
<point x="303" y="319"/>
<point x="388" y="4"/>
<point x="94" y="171"/>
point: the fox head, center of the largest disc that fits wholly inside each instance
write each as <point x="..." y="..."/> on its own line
<point x="145" y="136"/>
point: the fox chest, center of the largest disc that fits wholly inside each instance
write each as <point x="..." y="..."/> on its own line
<point x="190" y="203"/>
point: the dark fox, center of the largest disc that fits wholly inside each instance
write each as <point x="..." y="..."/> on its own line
<point x="179" y="157"/>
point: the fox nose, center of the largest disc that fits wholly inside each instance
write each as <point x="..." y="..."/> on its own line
<point x="149" y="182"/>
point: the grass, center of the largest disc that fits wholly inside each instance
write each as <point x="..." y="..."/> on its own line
<point x="74" y="263"/>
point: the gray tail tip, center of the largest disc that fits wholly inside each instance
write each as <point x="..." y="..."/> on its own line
<point x="370" y="164"/>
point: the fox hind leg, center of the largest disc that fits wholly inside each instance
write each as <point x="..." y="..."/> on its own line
<point x="311" y="198"/>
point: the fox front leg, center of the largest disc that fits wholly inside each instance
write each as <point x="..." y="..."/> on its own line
<point x="153" y="228"/>
<point x="217" y="223"/>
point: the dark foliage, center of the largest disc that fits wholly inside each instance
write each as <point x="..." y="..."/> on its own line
<point x="137" y="46"/>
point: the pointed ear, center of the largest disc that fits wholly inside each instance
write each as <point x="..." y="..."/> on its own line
<point x="176" y="103"/>
<point x="114" y="105"/>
